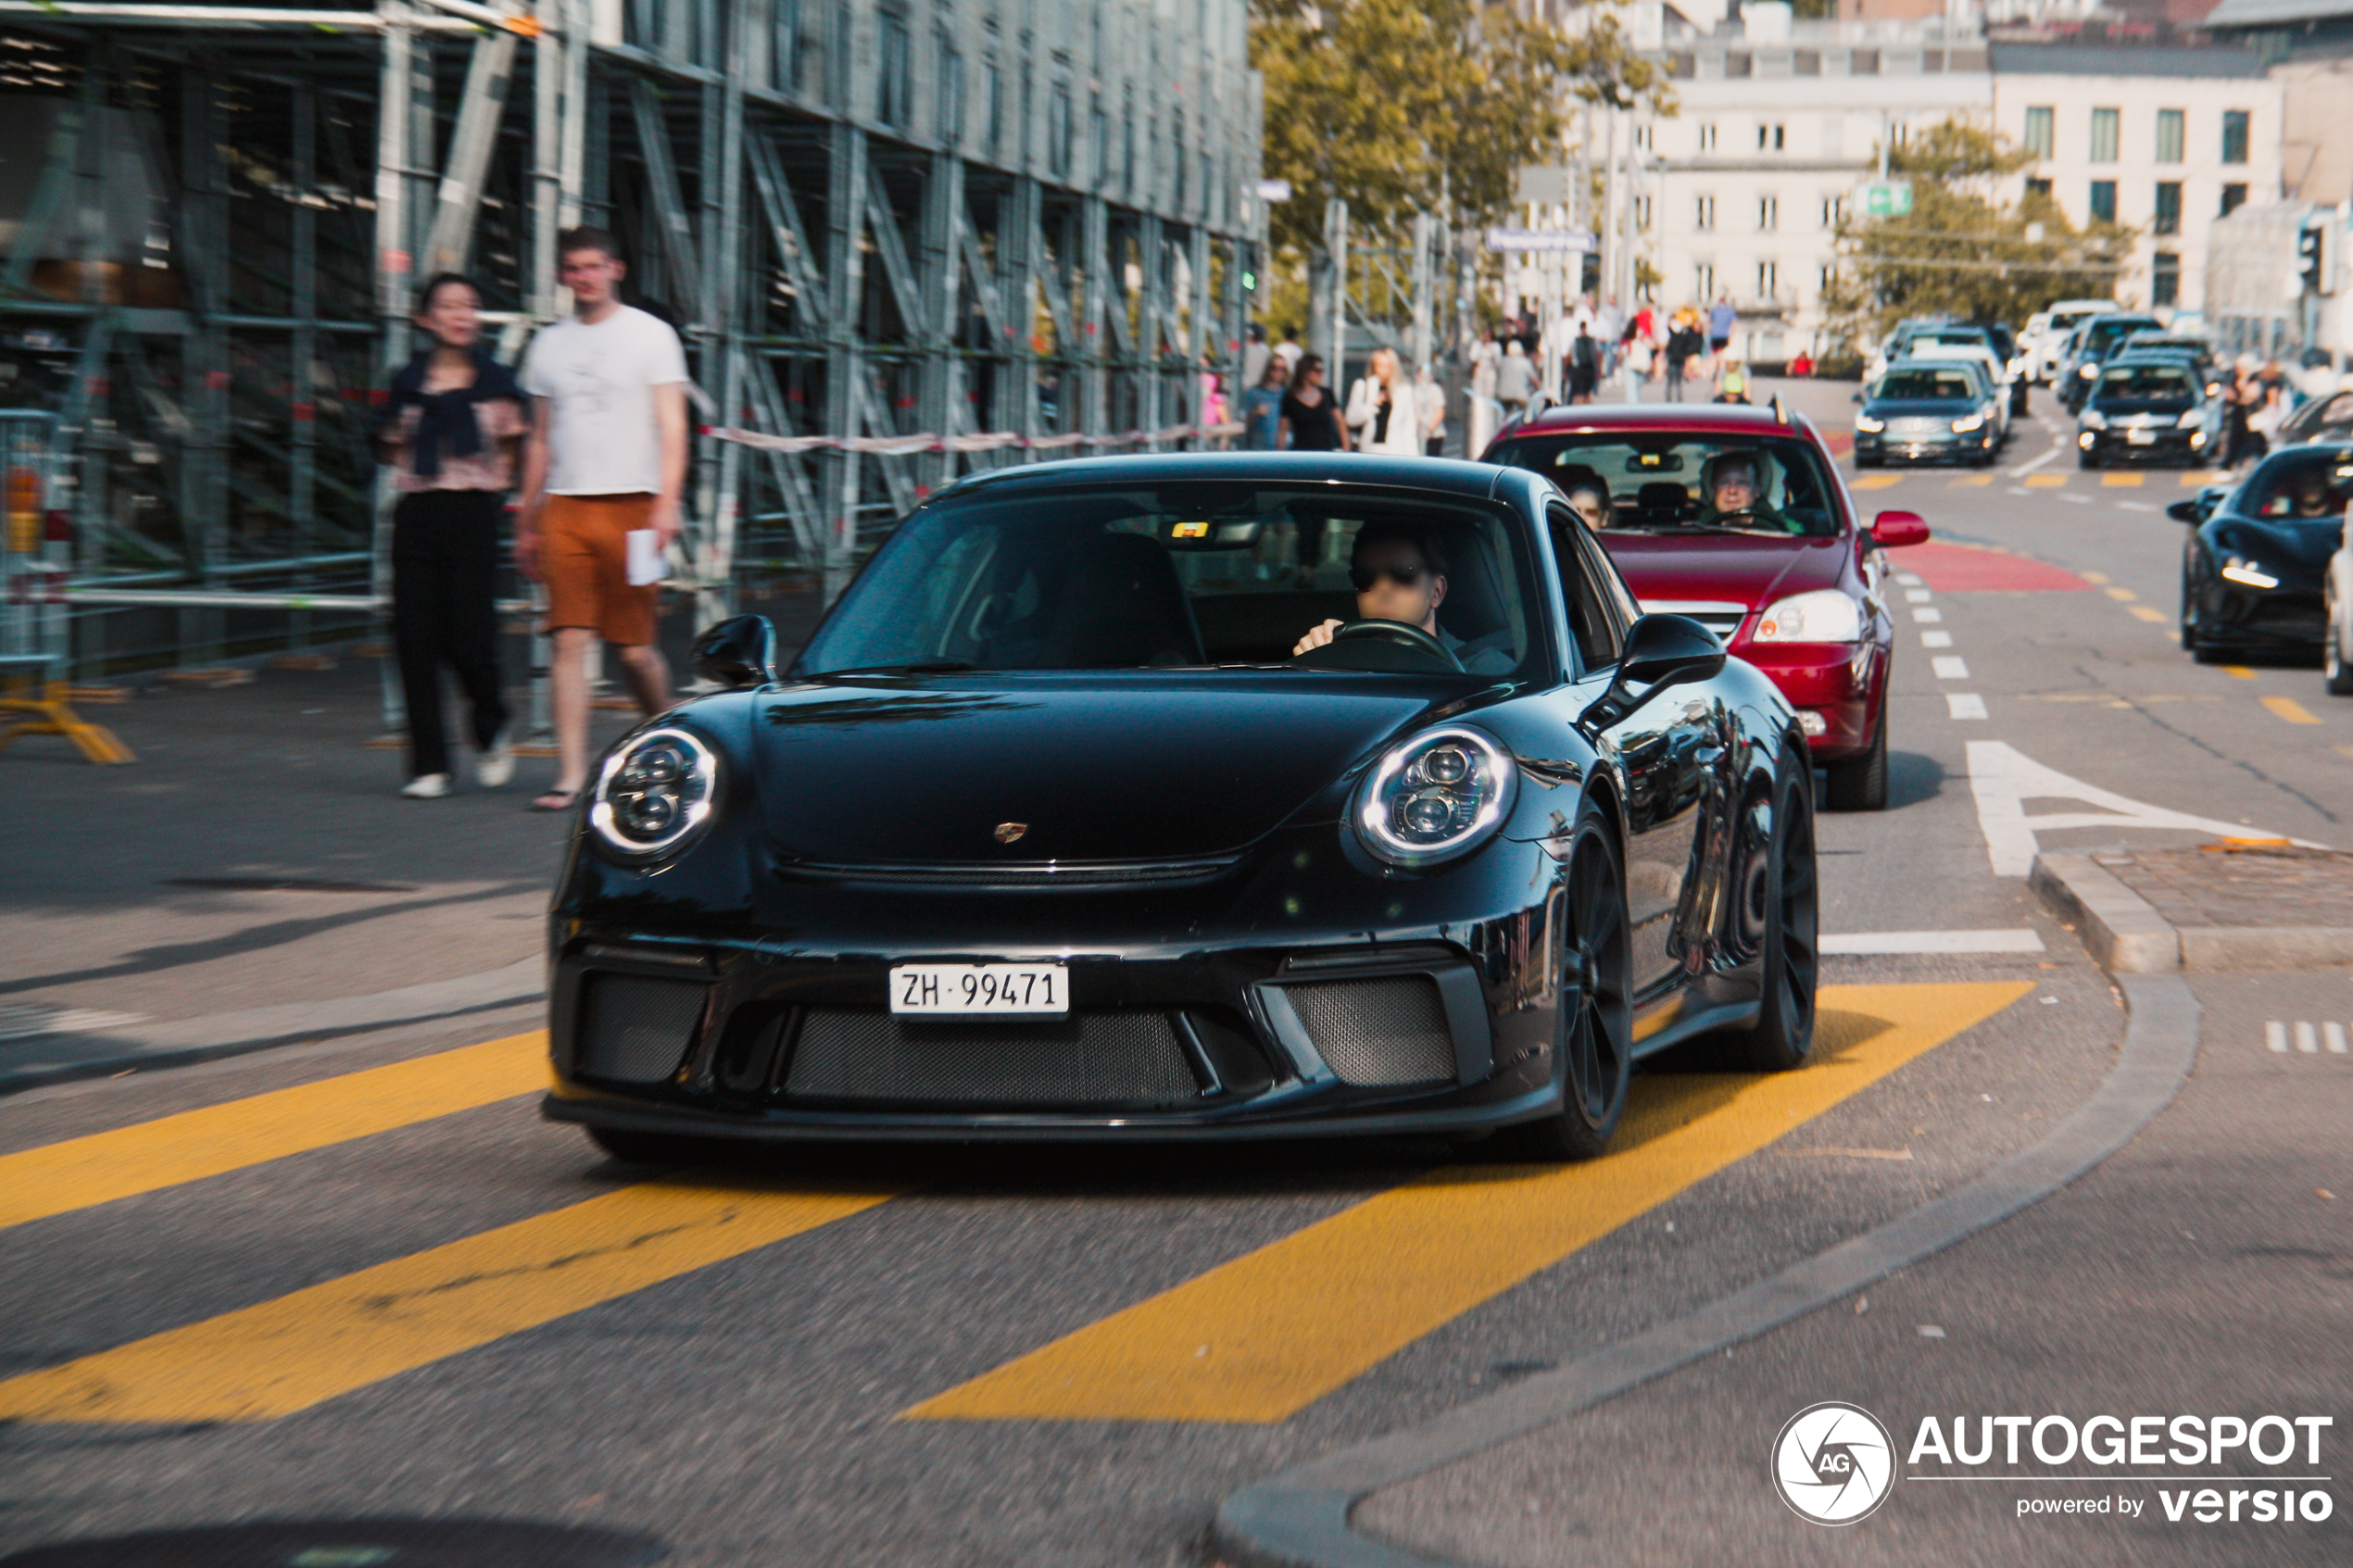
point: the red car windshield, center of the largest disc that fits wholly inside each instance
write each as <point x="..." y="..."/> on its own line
<point x="1677" y="482"/>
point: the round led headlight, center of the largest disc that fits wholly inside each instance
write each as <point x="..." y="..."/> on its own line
<point x="657" y="789"/>
<point x="1435" y="797"/>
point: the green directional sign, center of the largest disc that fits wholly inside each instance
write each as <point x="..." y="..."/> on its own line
<point x="1884" y="198"/>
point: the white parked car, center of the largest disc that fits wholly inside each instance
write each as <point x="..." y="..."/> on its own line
<point x="2048" y="347"/>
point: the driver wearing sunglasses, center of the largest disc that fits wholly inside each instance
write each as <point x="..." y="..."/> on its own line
<point x="1400" y="575"/>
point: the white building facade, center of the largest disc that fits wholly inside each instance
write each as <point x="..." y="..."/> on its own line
<point x="2162" y="140"/>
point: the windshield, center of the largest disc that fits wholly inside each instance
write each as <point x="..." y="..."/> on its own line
<point x="2310" y="483"/>
<point x="2101" y="335"/>
<point x="1206" y="572"/>
<point x="1673" y="480"/>
<point x="1952" y="385"/>
<point x="2150" y="383"/>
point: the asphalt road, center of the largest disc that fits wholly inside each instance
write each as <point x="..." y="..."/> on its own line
<point x="362" y="1279"/>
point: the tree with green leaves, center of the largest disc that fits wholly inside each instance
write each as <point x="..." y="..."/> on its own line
<point x="1962" y="251"/>
<point x="1406" y="106"/>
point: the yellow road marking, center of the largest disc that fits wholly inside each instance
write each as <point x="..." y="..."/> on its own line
<point x="60" y="1177"/>
<point x="2200" y="478"/>
<point x="1878" y="481"/>
<point x="1266" y="1335"/>
<point x="285" y="1355"/>
<point x="2147" y="612"/>
<point x="2045" y="481"/>
<point x="2238" y="672"/>
<point x="2095" y="578"/>
<point x="1971" y="482"/>
<point x="2121" y="594"/>
<point x="2290" y="709"/>
<point x="2122" y="480"/>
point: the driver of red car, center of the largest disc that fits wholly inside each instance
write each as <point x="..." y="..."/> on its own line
<point x="1400" y="574"/>
<point x="1735" y="487"/>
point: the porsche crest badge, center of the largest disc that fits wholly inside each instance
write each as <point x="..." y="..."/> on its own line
<point x="1009" y="833"/>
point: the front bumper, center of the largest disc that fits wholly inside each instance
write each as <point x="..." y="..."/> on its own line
<point x="1839" y="683"/>
<point x="2287" y="619"/>
<point x="1887" y="447"/>
<point x="2166" y="445"/>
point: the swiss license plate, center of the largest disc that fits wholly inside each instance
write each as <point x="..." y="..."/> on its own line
<point x="2140" y="438"/>
<point x="964" y="989"/>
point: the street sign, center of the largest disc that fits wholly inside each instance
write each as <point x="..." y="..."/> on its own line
<point x="1884" y="198"/>
<point x="1571" y="241"/>
<point x="1273" y="191"/>
<point x="1541" y="184"/>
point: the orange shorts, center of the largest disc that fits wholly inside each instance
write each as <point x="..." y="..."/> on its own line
<point x="584" y="559"/>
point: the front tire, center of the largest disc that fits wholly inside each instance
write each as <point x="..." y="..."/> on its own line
<point x="1860" y="785"/>
<point x="1784" y="1036"/>
<point x="1593" y="1033"/>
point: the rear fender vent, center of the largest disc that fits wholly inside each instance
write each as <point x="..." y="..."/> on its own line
<point x="635" y="1030"/>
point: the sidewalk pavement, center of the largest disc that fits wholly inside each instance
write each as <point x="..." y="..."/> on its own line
<point x="256" y="856"/>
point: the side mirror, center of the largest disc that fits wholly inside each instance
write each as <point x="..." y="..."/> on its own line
<point x="2185" y="511"/>
<point x="737" y="653"/>
<point x="1661" y="651"/>
<point x="1892" y="531"/>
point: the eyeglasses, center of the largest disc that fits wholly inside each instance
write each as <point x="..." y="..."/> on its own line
<point x="1404" y="576"/>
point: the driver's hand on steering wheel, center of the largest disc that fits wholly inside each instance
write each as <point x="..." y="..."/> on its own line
<point x="1315" y="638"/>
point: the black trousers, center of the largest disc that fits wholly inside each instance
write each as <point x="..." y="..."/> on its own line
<point x="444" y="560"/>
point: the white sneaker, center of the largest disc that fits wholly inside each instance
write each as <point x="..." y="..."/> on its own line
<point x="496" y="766"/>
<point x="426" y="787"/>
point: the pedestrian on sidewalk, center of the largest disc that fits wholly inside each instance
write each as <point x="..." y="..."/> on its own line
<point x="1256" y="352"/>
<point x="1721" y="320"/>
<point x="1683" y="345"/>
<point x="606" y="459"/>
<point x="449" y="432"/>
<point x="1514" y="380"/>
<point x="1383" y="408"/>
<point x="1432" y="395"/>
<point x="1289" y="352"/>
<point x="1310" y="423"/>
<point x="1262" y="407"/>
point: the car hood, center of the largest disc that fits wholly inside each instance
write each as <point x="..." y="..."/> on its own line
<point x="860" y="769"/>
<point x="2301" y="546"/>
<point x="1749" y="568"/>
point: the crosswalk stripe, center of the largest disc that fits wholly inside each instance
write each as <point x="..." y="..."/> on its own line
<point x="285" y="1355"/>
<point x="2045" y="481"/>
<point x="2122" y="480"/>
<point x="2290" y="709"/>
<point x="79" y="1172"/>
<point x="1261" y="1337"/>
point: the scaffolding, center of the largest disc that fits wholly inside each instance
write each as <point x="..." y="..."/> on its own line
<point x="900" y="241"/>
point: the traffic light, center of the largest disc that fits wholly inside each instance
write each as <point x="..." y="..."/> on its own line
<point x="2316" y="256"/>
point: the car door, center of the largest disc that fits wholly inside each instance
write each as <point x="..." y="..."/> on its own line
<point x="1667" y="749"/>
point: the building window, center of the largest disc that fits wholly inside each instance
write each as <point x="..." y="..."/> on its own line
<point x="1772" y="138"/>
<point x="1645" y="137"/>
<point x="2039" y="188"/>
<point x="2168" y="135"/>
<point x="1177" y="140"/>
<point x="785" y="31"/>
<point x="1128" y="143"/>
<point x="1830" y="277"/>
<point x="1058" y="131"/>
<point x="2234" y="135"/>
<point x="894" y="70"/>
<point x="2039" y="138"/>
<point x="994" y="76"/>
<point x="1703" y="213"/>
<point x="1707" y="136"/>
<point x="1769" y="278"/>
<point x="1769" y="214"/>
<point x="2234" y="199"/>
<point x="1833" y="208"/>
<point x="1642" y="212"/>
<point x="2167" y="216"/>
<point x="951" y="90"/>
<point x="1099" y="137"/>
<point x="2104" y="133"/>
<point x="1704" y="279"/>
<point x="2165" y="279"/>
<point x="2104" y="201"/>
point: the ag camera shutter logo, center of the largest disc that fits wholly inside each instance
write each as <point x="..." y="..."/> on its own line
<point x="1833" y="1463"/>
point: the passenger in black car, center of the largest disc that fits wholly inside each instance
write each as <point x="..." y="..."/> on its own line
<point x="1400" y="575"/>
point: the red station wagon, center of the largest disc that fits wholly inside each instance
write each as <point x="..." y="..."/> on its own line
<point x="1738" y="518"/>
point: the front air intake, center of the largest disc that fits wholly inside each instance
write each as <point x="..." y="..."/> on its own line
<point x="1385" y="1032"/>
<point x="1088" y="1059"/>
<point x="635" y="1030"/>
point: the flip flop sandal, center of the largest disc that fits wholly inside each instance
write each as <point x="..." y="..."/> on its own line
<point x="565" y="798"/>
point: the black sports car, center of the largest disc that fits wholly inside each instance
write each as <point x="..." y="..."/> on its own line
<point x="1050" y="833"/>
<point x="2255" y="566"/>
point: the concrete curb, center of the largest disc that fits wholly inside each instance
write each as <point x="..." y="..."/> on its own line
<point x="2127" y="936"/>
<point x="183" y="1041"/>
<point x="1300" y="1519"/>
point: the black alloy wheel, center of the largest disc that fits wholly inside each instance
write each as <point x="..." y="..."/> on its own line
<point x="1860" y="785"/>
<point x="1783" y="1035"/>
<point x="1593" y="1032"/>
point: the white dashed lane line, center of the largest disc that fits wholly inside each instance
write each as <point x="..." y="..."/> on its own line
<point x="1936" y="639"/>
<point x="1950" y="668"/>
<point x="1965" y="705"/>
<point x="1926" y="614"/>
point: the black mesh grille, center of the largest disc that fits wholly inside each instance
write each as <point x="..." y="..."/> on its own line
<point x="1089" y="1059"/>
<point x="635" y="1031"/>
<point x="1382" y="1032"/>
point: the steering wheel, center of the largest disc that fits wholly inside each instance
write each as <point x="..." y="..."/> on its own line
<point x="1404" y="633"/>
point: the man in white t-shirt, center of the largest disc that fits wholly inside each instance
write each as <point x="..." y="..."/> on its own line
<point x="607" y="458"/>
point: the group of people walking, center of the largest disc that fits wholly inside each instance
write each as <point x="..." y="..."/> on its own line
<point x="2255" y="400"/>
<point x="1291" y="407"/>
<point x="1598" y="344"/>
<point x="594" y="431"/>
